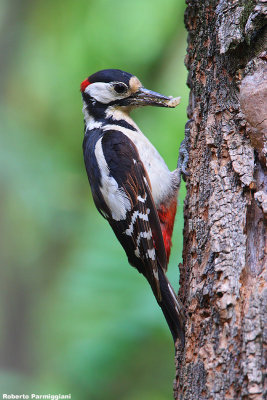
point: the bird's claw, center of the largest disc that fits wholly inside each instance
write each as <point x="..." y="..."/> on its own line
<point x="184" y="152"/>
<point x="183" y="160"/>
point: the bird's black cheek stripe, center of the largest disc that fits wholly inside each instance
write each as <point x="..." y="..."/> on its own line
<point x="96" y="110"/>
<point x="121" y="122"/>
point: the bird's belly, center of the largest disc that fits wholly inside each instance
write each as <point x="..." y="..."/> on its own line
<point x="160" y="179"/>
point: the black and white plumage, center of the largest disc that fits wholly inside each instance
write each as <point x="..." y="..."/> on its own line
<point x="131" y="185"/>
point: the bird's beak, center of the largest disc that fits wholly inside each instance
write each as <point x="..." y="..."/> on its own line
<point x="145" y="97"/>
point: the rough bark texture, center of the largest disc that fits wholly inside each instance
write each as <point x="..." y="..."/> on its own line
<point x="223" y="276"/>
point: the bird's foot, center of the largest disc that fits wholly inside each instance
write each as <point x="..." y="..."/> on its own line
<point x="184" y="152"/>
<point x="183" y="160"/>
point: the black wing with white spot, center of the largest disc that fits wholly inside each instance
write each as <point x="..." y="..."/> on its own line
<point x="122" y="194"/>
<point x="138" y="228"/>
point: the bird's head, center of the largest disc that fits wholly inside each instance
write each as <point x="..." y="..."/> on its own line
<point x="113" y="87"/>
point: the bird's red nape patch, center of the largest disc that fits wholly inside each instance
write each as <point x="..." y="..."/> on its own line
<point x="84" y="84"/>
<point x="167" y="217"/>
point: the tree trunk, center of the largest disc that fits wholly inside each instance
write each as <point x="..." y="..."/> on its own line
<point x="223" y="276"/>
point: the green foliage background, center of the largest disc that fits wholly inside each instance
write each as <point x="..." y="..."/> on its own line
<point x="74" y="317"/>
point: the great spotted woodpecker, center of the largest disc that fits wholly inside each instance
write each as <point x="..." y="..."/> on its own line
<point x="131" y="185"/>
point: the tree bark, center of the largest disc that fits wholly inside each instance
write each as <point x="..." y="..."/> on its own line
<point x="223" y="276"/>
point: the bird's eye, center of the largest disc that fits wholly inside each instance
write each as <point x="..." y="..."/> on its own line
<point x="120" y="88"/>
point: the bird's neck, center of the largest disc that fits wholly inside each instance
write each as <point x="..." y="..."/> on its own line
<point x="100" y="117"/>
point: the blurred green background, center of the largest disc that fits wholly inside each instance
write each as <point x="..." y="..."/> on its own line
<point x="74" y="317"/>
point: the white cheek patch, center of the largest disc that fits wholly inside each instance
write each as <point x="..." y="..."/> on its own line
<point x="115" y="197"/>
<point x="102" y="92"/>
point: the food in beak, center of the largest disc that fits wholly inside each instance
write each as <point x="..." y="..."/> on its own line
<point x="173" y="102"/>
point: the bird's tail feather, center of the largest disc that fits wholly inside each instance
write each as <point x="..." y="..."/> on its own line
<point x="171" y="307"/>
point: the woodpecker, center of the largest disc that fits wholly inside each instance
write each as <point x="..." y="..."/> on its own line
<point x="131" y="185"/>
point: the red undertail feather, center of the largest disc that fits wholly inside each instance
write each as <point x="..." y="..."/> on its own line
<point x="167" y="217"/>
